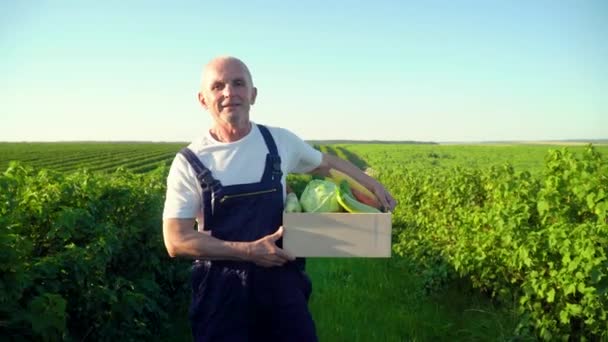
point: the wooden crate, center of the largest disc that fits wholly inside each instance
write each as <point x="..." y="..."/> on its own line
<point x="337" y="234"/>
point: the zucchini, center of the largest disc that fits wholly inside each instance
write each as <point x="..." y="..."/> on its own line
<point x="349" y="203"/>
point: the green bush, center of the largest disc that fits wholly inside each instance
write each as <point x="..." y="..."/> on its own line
<point x="543" y="242"/>
<point x="82" y="256"/>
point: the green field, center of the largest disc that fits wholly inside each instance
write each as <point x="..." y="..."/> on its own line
<point x="420" y="294"/>
<point x="104" y="157"/>
<point x="143" y="157"/>
<point x="432" y="157"/>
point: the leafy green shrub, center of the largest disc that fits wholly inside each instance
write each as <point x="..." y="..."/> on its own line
<point x="82" y="256"/>
<point x="543" y="241"/>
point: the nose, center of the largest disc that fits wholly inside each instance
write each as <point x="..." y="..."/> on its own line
<point x="227" y="91"/>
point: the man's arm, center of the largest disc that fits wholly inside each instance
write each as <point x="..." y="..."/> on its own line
<point x="181" y="240"/>
<point x="332" y="162"/>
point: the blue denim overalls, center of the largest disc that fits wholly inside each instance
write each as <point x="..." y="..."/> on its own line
<point x="239" y="301"/>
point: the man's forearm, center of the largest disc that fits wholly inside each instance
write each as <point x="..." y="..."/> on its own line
<point x="203" y="246"/>
<point x="185" y="242"/>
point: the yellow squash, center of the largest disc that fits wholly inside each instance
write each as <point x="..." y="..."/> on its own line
<point x="359" y="189"/>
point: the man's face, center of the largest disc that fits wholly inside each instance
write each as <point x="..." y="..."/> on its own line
<point x="227" y="92"/>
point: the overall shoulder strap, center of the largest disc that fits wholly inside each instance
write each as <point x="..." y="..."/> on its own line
<point x="273" y="160"/>
<point x="272" y="147"/>
<point x="208" y="184"/>
<point x="203" y="174"/>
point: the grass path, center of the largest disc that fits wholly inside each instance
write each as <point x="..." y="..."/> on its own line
<point x="382" y="300"/>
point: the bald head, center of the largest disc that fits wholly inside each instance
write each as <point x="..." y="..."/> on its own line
<point x="227" y="92"/>
<point x="224" y="62"/>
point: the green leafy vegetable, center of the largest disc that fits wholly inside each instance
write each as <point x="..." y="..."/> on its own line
<point x="320" y="196"/>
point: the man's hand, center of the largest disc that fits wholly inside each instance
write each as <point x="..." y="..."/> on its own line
<point x="264" y="252"/>
<point x="386" y="199"/>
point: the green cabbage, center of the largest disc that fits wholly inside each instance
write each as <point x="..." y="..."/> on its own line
<point x="320" y="196"/>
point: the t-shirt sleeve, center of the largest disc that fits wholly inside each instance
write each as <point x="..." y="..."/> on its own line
<point x="183" y="198"/>
<point x="304" y="157"/>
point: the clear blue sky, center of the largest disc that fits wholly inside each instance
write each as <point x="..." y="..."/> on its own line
<point x="390" y="70"/>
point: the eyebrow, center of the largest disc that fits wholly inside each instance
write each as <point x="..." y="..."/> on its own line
<point x="238" y="79"/>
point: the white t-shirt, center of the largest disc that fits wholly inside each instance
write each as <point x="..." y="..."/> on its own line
<point x="238" y="162"/>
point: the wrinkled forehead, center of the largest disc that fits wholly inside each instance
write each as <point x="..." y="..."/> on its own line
<point x="226" y="70"/>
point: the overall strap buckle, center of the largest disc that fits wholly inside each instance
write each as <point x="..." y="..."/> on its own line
<point x="203" y="174"/>
<point x="206" y="180"/>
<point x="275" y="163"/>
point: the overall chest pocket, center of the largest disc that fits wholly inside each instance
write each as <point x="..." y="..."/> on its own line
<point x="231" y="197"/>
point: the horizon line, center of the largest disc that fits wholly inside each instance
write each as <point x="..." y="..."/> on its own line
<point x="369" y="141"/>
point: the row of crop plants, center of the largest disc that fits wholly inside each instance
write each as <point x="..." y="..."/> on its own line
<point x="64" y="157"/>
<point x="537" y="240"/>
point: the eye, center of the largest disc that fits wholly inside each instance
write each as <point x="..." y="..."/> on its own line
<point x="216" y="86"/>
<point x="239" y="83"/>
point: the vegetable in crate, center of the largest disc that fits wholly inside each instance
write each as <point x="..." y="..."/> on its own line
<point x="357" y="190"/>
<point x="320" y="196"/>
<point x="348" y="201"/>
<point x="292" y="205"/>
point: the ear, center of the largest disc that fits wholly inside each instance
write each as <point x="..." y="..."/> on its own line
<point x="201" y="100"/>
<point x="254" y="95"/>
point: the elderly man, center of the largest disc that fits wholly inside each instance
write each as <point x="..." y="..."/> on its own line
<point x="231" y="182"/>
